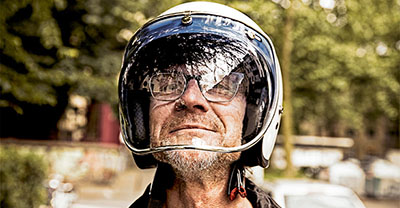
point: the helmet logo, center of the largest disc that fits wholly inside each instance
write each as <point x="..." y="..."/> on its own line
<point x="219" y="21"/>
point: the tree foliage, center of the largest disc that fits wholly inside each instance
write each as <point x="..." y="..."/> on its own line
<point x="344" y="68"/>
<point x="345" y="61"/>
<point x="46" y="45"/>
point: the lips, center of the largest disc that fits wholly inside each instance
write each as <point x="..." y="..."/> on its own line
<point x="191" y="126"/>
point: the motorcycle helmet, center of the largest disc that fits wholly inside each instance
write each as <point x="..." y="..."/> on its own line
<point x="215" y="43"/>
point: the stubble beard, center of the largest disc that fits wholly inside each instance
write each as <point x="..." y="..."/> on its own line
<point x="194" y="165"/>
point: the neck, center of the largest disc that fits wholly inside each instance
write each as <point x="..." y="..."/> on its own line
<point x="210" y="190"/>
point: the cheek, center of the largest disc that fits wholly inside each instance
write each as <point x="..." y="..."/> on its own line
<point x="232" y="115"/>
<point x="242" y="108"/>
<point x="159" y="113"/>
<point x="239" y="110"/>
<point x="236" y="124"/>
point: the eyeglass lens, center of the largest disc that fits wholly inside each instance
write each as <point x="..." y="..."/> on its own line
<point x="171" y="86"/>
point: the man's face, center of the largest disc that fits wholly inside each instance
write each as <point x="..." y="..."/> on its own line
<point x="197" y="122"/>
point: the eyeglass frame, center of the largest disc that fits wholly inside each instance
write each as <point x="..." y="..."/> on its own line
<point x="187" y="78"/>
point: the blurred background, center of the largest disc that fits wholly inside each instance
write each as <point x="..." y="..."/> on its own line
<point x="59" y="65"/>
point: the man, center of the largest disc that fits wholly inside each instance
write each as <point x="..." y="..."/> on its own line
<point x="200" y="99"/>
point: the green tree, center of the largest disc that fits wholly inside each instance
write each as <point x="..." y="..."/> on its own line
<point x="344" y="70"/>
<point x="51" y="49"/>
<point x="53" y="43"/>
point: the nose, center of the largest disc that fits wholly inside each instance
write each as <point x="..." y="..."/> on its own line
<point x="194" y="99"/>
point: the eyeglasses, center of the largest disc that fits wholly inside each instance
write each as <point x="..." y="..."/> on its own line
<point x="171" y="86"/>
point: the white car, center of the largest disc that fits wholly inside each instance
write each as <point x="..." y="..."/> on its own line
<point x="307" y="194"/>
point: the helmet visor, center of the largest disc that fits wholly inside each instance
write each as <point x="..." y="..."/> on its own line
<point x="222" y="59"/>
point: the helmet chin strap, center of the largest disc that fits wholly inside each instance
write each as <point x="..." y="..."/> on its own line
<point x="236" y="183"/>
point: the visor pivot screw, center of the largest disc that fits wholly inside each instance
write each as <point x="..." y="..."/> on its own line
<point x="251" y="35"/>
<point x="187" y="19"/>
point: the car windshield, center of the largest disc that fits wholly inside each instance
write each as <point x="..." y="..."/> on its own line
<point x="318" y="201"/>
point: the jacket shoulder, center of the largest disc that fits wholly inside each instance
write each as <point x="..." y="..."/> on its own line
<point x="258" y="197"/>
<point x="143" y="200"/>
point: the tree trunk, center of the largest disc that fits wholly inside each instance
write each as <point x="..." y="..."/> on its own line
<point x="287" y="116"/>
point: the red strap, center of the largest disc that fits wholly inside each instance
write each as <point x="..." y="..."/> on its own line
<point x="242" y="192"/>
<point x="234" y="192"/>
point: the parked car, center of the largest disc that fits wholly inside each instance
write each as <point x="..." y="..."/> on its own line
<point x="308" y="194"/>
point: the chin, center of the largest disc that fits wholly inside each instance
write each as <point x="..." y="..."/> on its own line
<point x="190" y="161"/>
<point x="195" y="155"/>
<point x="191" y="156"/>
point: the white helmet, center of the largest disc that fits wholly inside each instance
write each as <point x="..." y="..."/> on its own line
<point x="213" y="40"/>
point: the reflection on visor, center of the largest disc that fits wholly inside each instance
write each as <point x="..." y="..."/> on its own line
<point x="171" y="86"/>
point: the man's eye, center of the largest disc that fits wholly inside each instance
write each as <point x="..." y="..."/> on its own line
<point x="170" y="87"/>
<point x="162" y="83"/>
<point x="223" y="86"/>
<point x="221" y="89"/>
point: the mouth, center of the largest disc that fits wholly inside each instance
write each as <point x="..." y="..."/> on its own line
<point x="191" y="127"/>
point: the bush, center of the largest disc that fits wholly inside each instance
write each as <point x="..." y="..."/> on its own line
<point x="21" y="179"/>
